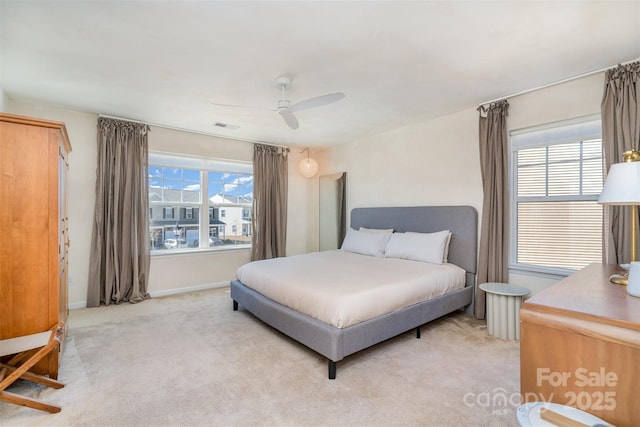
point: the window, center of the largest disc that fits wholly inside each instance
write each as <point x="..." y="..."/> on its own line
<point x="557" y="175"/>
<point x="246" y="229"/>
<point x="231" y="194"/>
<point x="182" y="187"/>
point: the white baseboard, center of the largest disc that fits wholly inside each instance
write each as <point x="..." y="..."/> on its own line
<point x="163" y="293"/>
<point x="167" y="292"/>
<point x="77" y="305"/>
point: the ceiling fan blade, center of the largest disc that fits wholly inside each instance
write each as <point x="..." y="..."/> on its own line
<point x="243" y="106"/>
<point x="317" y="101"/>
<point x="289" y="118"/>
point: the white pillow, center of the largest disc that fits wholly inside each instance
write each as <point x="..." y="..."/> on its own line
<point x="445" y="257"/>
<point x="376" y="230"/>
<point x="426" y="247"/>
<point x="365" y="243"/>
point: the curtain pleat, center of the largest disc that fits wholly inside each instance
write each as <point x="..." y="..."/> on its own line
<point x="494" y="228"/>
<point x="620" y="133"/>
<point x="270" y="185"/>
<point x="120" y="248"/>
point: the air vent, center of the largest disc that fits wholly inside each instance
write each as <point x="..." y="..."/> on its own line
<point x="226" y="125"/>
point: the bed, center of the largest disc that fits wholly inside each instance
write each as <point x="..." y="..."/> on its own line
<point x="337" y="342"/>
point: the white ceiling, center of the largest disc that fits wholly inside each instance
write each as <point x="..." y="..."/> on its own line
<point x="166" y="62"/>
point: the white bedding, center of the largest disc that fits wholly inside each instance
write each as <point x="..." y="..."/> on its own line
<point x="343" y="288"/>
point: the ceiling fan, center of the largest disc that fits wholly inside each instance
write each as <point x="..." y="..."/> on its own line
<point x="286" y="109"/>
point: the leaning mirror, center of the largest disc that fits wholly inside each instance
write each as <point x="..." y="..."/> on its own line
<point x="332" y="205"/>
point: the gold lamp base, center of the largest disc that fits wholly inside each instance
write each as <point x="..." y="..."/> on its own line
<point x="619" y="279"/>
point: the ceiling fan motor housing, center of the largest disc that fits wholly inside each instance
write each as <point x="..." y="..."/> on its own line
<point x="283" y="104"/>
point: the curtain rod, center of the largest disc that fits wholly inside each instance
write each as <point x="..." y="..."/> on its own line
<point x="568" y="79"/>
<point x="191" y="131"/>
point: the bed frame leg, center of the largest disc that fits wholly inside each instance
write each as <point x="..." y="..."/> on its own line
<point x="418" y="332"/>
<point x="235" y="305"/>
<point x="332" y="370"/>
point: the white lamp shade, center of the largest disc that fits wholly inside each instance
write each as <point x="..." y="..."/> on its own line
<point x="622" y="186"/>
<point x="308" y="167"/>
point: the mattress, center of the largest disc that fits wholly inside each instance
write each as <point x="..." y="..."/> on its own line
<point x="343" y="288"/>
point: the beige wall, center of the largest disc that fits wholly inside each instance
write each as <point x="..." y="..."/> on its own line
<point x="437" y="162"/>
<point x="302" y="215"/>
<point x="431" y="163"/>
<point x="4" y="101"/>
<point x="169" y="273"/>
<point x="81" y="128"/>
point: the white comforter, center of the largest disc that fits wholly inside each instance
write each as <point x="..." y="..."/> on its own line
<point x="343" y="288"/>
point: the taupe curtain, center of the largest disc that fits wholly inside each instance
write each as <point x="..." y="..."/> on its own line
<point x="120" y="253"/>
<point x="494" y="229"/>
<point x="269" y="219"/>
<point x="620" y="133"/>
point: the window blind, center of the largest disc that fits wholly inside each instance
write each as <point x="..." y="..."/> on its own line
<point x="557" y="178"/>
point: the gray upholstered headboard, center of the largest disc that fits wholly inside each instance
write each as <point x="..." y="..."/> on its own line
<point x="462" y="221"/>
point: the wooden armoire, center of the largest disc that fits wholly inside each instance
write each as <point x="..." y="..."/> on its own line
<point x="34" y="237"/>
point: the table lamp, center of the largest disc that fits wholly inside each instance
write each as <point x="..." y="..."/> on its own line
<point x="622" y="188"/>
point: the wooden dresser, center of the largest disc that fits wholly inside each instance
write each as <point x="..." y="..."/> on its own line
<point x="580" y="346"/>
<point x="34" y="229"/>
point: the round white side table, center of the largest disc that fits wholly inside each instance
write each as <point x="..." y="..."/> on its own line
<point x="503" y="309"/>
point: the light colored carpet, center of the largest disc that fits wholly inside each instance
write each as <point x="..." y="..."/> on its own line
<point x="189" y="360"/>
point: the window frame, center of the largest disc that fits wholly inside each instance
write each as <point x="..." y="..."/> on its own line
<point x="204" y="206"/>
<point x="561" y="132"/>
<point x="167" y="213"/>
